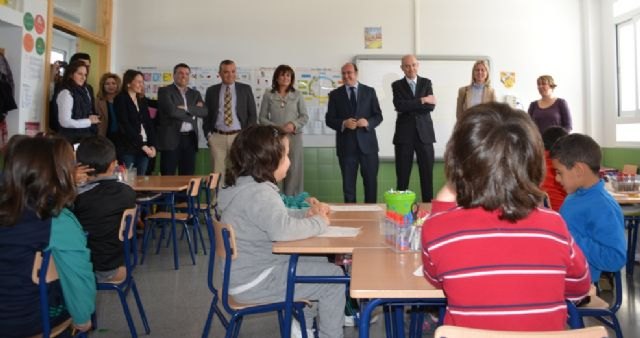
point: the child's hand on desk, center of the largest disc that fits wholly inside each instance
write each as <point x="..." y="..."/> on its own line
<point x="321" y="209"/>
<point x="312" y="200"/>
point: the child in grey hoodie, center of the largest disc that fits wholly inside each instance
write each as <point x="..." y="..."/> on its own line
<point x="252" y="205"/>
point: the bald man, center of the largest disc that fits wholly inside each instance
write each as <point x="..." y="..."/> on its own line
<point x="414" y="101"/>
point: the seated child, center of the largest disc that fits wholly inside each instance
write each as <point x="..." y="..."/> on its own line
<point x="37" y="184"/>
<point x="503" y="262"/>
<point x="550" y="185"/>
<point x="252" y="205"/>
<point x="100" y="204"/>
<point x="594" y="217"/>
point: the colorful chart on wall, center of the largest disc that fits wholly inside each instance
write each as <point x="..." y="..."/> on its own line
<point x="314" y="83"/>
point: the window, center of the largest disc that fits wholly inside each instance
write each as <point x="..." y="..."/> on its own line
<point x="628" y="77"/>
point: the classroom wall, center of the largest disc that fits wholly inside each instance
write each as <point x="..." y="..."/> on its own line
<point x="328" y="33"/>
<point x="569" y="39"/>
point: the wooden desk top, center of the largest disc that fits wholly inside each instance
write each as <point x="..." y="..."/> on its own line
<point x="161" y="183"/>
<point x="623" y="198"/>
<point x="383" y="273"/>
<point x="369" y="237"/>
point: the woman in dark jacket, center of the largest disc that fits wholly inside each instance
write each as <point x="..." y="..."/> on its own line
<point x="139" y="136"/>
<point x="75" y="105"/>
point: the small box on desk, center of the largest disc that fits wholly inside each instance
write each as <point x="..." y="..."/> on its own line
<point x="401" y="233"/>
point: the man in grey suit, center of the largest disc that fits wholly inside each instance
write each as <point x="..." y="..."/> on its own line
<point x="354" y="113"/>
<point x="177" y="126"/>
<point x="231" y="108"/>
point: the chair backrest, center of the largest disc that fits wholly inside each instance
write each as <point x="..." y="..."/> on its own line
<point x="44" y="272"/>
<point x="447" y="331"/>
<point x="630" y="169"/>
<point x="225" y="238"/>
<point x="214" y="178"/>
<point x="194" y="186"/>
<point x="126" y="234"/>
<point x="211" y="192"/>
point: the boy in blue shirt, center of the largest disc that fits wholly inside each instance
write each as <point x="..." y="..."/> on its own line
<point x="594" y="218"/>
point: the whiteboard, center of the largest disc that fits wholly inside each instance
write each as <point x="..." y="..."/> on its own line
<point x="447" y="75"/>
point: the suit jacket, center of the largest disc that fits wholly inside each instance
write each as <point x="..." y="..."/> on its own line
<point x="339" y="109"/>
<point x="245" y="106"/>
<point x="170" y="117"/>
<point x="465" y="94"/>
<point x="130" y="121"/>
<point x="411" y="112"/>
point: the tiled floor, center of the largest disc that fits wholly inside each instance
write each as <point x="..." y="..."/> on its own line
<point x="176" y="303"/>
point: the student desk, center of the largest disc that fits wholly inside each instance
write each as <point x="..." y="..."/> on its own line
<point x="632" y="223"/>
<point x="168" y="185"/>
<point x="369" y="237"/>
<point x="623" y="198"/>
<point x="386" y="277"/>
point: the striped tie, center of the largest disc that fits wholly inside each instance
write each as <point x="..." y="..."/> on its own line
<point x="228" y="119"/>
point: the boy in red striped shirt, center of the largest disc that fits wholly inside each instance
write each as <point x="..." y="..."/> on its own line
<point x="504" y="262"/>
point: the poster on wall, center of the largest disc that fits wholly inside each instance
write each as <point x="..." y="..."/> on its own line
<point x="373" y="37"/>
<point x="314" y="84"/>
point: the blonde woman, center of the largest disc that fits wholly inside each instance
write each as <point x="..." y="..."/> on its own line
<point x="479" y="91"/>
<point x="109" y="87"/>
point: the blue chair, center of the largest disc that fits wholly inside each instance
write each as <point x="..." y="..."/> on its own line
<point x="447" y="331"/>
<point x="123" y="281"/>
<point x="601" y="310"/>
<point x="44" y="272"/>
<point x="171" y="217"/>
<point x="223" y="242"/>
<point x="208" y="188"/>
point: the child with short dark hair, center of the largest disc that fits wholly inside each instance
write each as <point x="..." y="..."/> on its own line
<point x="594" y="217"/>
<point x="503" y="262"/>
<point x="100" y="204"/>
<point x="252" y="205"/>
<point x="553" y="189"/>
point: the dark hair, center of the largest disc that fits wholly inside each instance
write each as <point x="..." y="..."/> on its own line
<point x="127" y="78"/>
<point x="225" y="63"/>
<point x="256" y="152"/>
<point x="574" y="148"/>
<point x="495" y="160"/>
<point x="282" y="69"/>
<point x="551" y="135"/>
<point x="181" y="65"/>
<point x="9" y="147"/>
<point x="97" y="152"/>
<point x="67" y="79"/>
<point x="79" y="56"/>
<point x="38" y="174"/>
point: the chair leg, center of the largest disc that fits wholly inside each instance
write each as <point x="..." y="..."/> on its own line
<point x="616" y="326"/>
<point x="189" y="243"/>
<point x="207" y="324"/>
<point x="143" y="316"/>
<point x="148" y="230"/>
<point x="199" y="231"/>
<point x="236" y="328"/>
<point x="127" y="313"/>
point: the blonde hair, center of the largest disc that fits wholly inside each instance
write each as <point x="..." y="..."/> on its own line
<point x="101" y="94"/>
<point x="484" y="63"/>
<point x="548" y="79"/>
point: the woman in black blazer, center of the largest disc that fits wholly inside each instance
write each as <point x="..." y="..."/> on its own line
<point x="139" y="135"/>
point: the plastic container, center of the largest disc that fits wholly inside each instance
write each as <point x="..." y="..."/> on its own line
<point x="401" y="234"/>
<point x="399" y="201"/>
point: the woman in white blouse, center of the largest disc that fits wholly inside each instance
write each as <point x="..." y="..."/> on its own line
<point x="75" y="108"/>
<point x="284" y="106"/>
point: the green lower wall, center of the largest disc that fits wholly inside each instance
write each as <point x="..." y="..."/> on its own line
<point x="322" y="176"/>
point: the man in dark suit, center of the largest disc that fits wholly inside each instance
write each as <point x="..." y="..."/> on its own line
<point x="231" y="108"/>
<point x="414" y="101"/>
<point x="177" y="126"/>
<point x="354" y="113"/>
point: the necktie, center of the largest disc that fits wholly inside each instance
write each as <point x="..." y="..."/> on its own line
<point x="413" y="87"/>
<point x="228" y="119"/>
<point x="352" y="99"/>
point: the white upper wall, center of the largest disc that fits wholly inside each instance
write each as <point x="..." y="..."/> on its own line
<point x="528" y="37"/>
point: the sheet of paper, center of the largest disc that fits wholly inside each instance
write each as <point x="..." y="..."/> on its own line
<point x="418" y="272"/>
<point x="355" y="207"/>
<point x="335" y="231"/>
